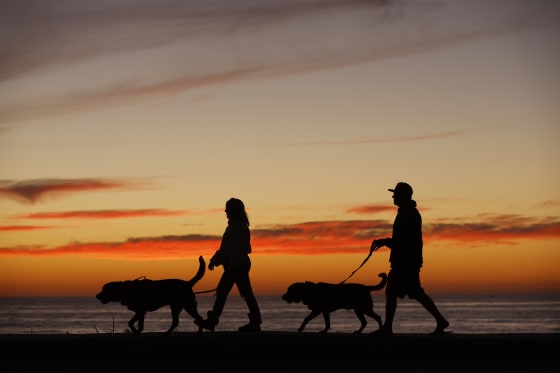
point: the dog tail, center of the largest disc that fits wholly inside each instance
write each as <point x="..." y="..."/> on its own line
<point x="381" y="284"/>
<point x="200" y="273"/>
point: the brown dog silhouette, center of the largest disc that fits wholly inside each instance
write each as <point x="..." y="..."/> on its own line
<point x="325" y="298"/>
<point x="143" y="295"/>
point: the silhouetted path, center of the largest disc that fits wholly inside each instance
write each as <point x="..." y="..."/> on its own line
<point x="279" y="351"/>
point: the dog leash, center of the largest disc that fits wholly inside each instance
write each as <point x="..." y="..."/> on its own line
<point x="196" y="292"/>
<point x="205" y="291"/>
<point x="371" y="250"/>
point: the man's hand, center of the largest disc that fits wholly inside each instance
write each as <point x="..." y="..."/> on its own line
<point x="211" y="266"/>
<point x="376" y="244"/>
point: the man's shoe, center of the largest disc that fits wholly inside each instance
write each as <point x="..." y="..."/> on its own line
<point x="440" y="328"/>
<point x="383" y="332"/>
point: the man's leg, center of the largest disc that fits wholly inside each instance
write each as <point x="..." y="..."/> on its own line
<point x="390" y="309"/>
<point x="431" y="307"/>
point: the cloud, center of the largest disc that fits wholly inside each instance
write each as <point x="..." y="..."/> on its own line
<point x="489" y="228"/>
<point x="19" y="228"/>
<point x="140" y="248"/>
<point x="315" y="238"/>
<point x="52" y="53"/>
<point x="37" y="190"/>
<point x="371" y="209"/>
<point x="377" y="140"/>
<point x="103" y="214"/>
<point x="549" y="204"/>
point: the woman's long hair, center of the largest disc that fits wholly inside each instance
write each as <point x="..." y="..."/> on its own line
<point x="235" y="210"/>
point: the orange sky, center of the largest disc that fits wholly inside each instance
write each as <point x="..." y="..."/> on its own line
<point x="492" y="254"/>
<point x="126" y="126"/>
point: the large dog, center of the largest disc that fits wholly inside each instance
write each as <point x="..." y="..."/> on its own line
<point x="325" y="298"/>
<point x="142" y="296"/>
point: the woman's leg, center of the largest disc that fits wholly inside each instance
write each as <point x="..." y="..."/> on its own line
<point x="222" y="290"/>
<point x="246" y="291"/>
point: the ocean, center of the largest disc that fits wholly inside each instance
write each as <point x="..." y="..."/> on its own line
<point x="472" y="314"/>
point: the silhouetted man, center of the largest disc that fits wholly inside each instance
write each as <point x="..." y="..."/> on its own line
<point x="406" y="261"/>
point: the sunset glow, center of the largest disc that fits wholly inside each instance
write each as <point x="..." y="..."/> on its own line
<point x="125" y="127"/>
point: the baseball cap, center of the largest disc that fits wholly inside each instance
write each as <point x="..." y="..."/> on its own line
<point x="402" y="188"/>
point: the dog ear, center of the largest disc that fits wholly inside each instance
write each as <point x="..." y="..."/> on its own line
<point x="310" y="284"/>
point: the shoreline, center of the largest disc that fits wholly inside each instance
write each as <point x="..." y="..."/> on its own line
<point x="278" y="351"/>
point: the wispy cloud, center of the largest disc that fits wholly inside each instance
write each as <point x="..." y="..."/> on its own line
<point x="103" y="214"/>
<point x="490" y="228"/>
<point x="19" y="228"/>
<point x="139" y="248"/>
<point x="37" y="190"/>
<point x="149" y="48"/>
<point x="315" y="238"/>
<point x="549" y="204"/>
<point x="432" y="136"/>
<point x="371" y="209"/>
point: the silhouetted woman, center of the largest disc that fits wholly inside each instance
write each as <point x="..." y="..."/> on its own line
<point x="233" y="255"/>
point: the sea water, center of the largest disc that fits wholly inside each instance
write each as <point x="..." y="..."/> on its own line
<point x="472" y="314"/>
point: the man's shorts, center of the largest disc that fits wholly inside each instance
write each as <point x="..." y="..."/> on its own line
<point x="402" y="282"/>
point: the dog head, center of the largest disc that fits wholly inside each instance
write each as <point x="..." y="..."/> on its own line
<point x="298" y="292"/>
<point x="111" y="292"/>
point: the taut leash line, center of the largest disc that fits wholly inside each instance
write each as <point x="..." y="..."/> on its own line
<point x="371" y="250"/>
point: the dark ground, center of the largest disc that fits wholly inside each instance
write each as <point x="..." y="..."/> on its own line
<point x="279" y="352"/>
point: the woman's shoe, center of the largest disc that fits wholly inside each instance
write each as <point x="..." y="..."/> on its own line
<point x="208" y="324"/>
<point x="250" y="328"/>
<point x="254" y="324"/>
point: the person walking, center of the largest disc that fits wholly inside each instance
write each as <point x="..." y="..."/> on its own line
<point x="406" y="261"/>
<point x="233" y="255"/>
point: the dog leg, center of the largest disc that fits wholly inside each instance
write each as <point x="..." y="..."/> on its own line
<point x="363" y="321"/>
<point x="376" y="317"/>
<point x="307" y="319"/>
<point x="327" y="318"/>
<point x="175" y="310"/>
<point x="195" y="315"/>
<point x="138" y="317"/>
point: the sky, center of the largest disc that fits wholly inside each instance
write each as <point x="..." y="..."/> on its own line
<point x="125" y="126"/>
